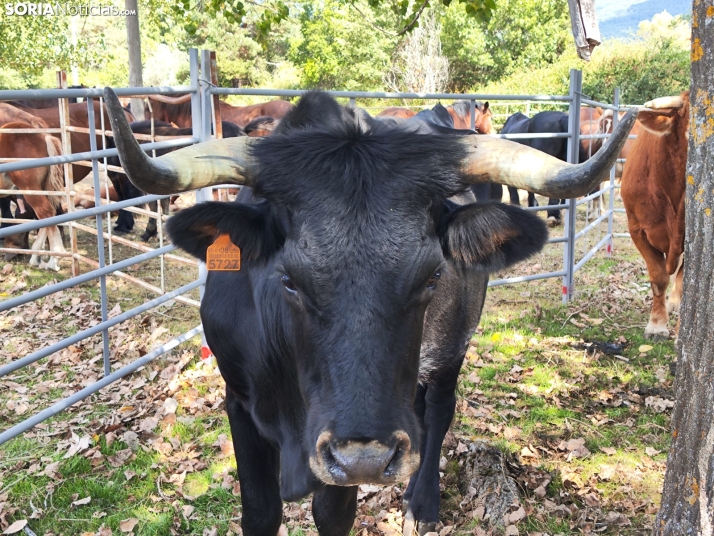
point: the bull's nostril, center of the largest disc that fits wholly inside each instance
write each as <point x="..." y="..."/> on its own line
<point x="333" y="466"/>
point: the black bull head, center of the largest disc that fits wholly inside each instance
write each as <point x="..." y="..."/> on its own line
<point x="353" y="239"/>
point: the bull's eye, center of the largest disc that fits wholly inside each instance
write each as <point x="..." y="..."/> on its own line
<point x="288" y="283"/>
<point x="433" y="280"/>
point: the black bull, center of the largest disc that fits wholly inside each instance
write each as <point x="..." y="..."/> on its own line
<point x="363" y="278"/>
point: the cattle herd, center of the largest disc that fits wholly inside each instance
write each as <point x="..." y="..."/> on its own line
<point x="366" y="245"/>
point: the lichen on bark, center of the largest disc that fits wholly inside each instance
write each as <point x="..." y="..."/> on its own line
<point x="688" y="496"/>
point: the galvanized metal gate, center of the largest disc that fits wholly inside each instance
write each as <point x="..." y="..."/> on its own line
<point x="204" y="104"/>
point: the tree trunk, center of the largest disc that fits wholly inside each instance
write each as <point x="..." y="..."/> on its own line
<point x="133" y="39"/>
<point x="688" y="496"/>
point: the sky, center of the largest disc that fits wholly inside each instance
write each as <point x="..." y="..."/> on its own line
<point x="619" y="18"/>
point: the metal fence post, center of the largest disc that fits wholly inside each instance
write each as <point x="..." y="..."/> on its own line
<point x="201" y="116"/>
<point x="576" y="82"/>
<point x="613" y="172"/>
<point x="472" y="113"/>
<point x="100" y="233"/>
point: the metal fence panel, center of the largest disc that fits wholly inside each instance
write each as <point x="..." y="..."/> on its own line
<point x="203" y="95"/>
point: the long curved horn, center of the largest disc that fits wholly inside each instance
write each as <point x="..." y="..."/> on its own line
<point x="225" y="161"/>
<point x="665" y="102"/>
<point x="506" y="162"/>
<point x="170" y="100"/>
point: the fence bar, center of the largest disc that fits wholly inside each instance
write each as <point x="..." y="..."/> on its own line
<point x="144" y="284"/>
<point x="521" y="279"/>
<point x="48" y="193"/>
<point x="592" y="252"/>
<point x="613" y="172"/>
<point x="204" y="194"/>
<point x="76" y="157"/>
<point x="592" y="225"/>
<point x="74" y="281"/>
<point x="100" y="236"/>
<point x="599" y="104"/>
<point x="141" y="247"/>
<point x="85" y="213"/>
<point x="543" y="207"/>
<point x="35" y="252"/>
<point x="386" y="95"/>
<point x="98" y="385"/>
<point x="61" y="345"/>
<point x="593" y="195"/>
<point x="31" y="94"/>
<point x="542" y="135"/>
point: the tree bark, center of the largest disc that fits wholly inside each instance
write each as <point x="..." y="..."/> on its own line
<point x="133" y="39"/>
<point x="688" y="496"/>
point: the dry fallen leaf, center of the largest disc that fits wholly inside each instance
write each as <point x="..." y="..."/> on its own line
<point x="512" y="432"/>
<point x="51" y="471"/>
<point x="606" y="472"/>
<point x="515" y="517"/>
<point x="131" y="440"/>
<point x="80" y="502"/>
<point x="511" y="530"/>
<point x="170" y="405"/>
<point x="651" y="451"/>
<point x="17" y="526"/>
<point x="187" y="510"/>
<point x="610" y="451"/>
<point x="658" y="405"/>
<point x="119" y="457"/>
<point x="644" y="348"/>
<point x="127" y="525"/>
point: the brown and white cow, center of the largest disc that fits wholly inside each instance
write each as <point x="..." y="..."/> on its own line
<point x="653" y="186"/>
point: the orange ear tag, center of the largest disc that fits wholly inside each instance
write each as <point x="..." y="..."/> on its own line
<point x="223" y="255"/>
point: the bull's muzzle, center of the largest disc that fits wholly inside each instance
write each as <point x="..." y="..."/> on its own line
<point x="354" y="462"/>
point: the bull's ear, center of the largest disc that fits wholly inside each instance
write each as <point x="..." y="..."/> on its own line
<point x="657" y="121"/>
<point x="250" y="226"/>
<point x="491" y="236"/>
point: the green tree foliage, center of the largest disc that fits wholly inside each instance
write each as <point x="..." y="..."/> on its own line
<point x="655" y="65"/>
<point x="338" y="49"/>
<point x="31" y="44"/>
<point x="521" y="34"/>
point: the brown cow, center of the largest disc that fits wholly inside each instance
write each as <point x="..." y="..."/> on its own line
<point x="460" y="112"/>
<point x="653" y="186"/>
<point x="10" y="114"/>
<point x="398" y="112"/>
<point x="177" y="110"/>
<point x="42" y="178"/>
<point x="78" y="117"/>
